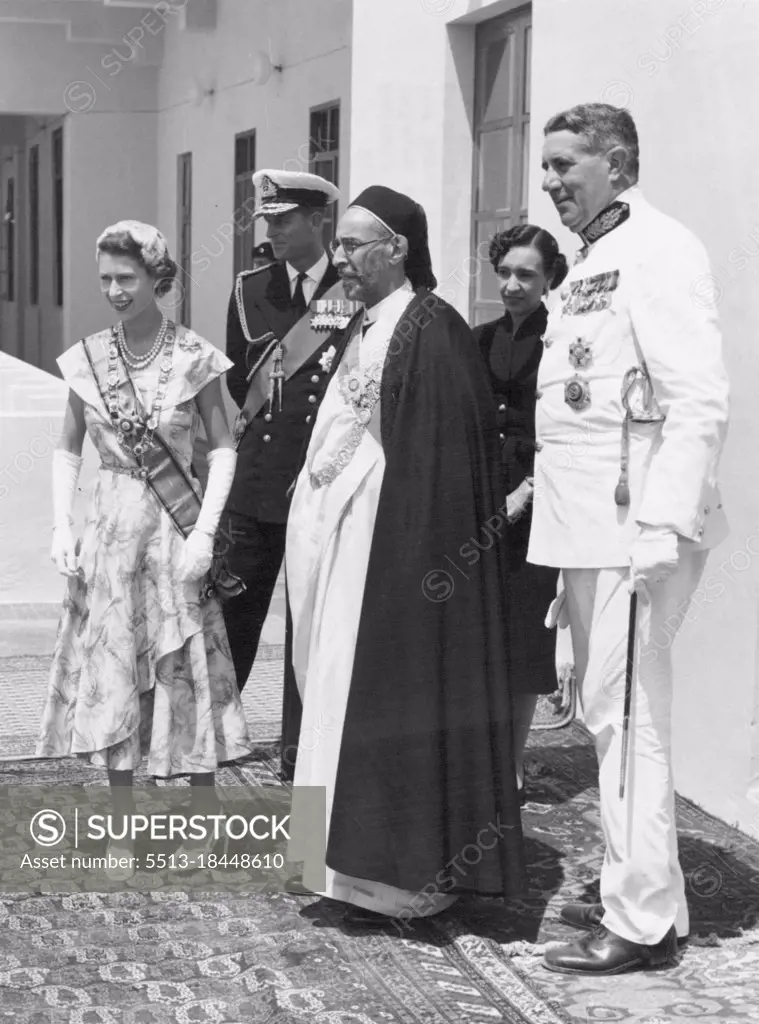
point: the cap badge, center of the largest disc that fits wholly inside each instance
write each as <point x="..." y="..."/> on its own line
<point x="268" y="188"/>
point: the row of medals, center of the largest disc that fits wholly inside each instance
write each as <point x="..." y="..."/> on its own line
<point x="134" y="432"/>
<point x="577" y="388"/>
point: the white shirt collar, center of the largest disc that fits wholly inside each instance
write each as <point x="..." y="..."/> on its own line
<point x="631" y="193"/>
<point x="315" y="273"/>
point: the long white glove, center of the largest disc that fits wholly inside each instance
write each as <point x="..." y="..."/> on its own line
<point x="66" y="469"/>
<point x="653" y="556"/>
<point x="198" y="548"/>
<point x="519" y="499"/>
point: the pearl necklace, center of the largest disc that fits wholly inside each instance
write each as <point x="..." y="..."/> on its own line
<point x="134" y="427"/>
<point x="141" y="362"/>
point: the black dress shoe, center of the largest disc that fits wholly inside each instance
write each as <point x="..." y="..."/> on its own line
<point x="602" y="952"/>
<point x="588" y="916"/>
<point x="365" y="918"/>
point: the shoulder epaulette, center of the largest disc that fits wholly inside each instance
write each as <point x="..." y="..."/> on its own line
<point x="256" y="270"/>
<point x="238" y="296"/>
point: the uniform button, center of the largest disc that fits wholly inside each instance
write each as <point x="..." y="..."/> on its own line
<point x="700" y="533"/>
<point x="315" y="379"/>
<point x="547" y="341"/>
<point x="312" y="399"/>
<point x="564" y="294"/>
<point x="538" y="393"/>
<point x="267" y="417"/>
<point x="538" y="446"/>
<point x="502" y="408"/>
<point x="267" y="437"/>
<point x="502" y="437"/>
<point x="308" y="418"/>
<point x="707" y="510"/>
<point x="719" y="506"/>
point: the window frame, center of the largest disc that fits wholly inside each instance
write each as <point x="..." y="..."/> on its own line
<point x="243" y="198"/>
<point x="184" y="235"/>
<point x="318" y="154"/>
<point x="516" y="25"/>
<point x="34" y="224"/>
<point x="56" y="170"/>
<point x="10" y="238"/>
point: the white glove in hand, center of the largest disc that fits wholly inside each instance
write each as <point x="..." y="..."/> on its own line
<point x="653" y="556"/>
<point x="198" y="548"/>
<point x="66" y="469"/>
<point x="518" y="500"/>
<point x="197" y="556"/>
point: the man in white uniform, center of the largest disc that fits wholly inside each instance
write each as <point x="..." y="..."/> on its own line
<point x="630" y="423"/>
<point x="403" y="675"/>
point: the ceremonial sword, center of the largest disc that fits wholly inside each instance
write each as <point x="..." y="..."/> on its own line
<point x="629" y="670"/>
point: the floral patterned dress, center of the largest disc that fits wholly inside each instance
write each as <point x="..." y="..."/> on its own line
<point x="141" y="666"/>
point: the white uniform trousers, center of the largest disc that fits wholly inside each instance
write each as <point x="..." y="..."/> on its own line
<point x="642" y="883"/>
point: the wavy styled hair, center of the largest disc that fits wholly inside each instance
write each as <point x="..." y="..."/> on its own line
<point x="521" y="235"/>
<point x="145" y="245"/>
<point x="602" y="126"/>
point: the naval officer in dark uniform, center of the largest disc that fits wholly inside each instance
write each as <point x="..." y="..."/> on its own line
<point x="279" y="331"/>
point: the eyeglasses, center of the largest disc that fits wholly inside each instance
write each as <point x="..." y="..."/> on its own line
<point x="349" y="245"/>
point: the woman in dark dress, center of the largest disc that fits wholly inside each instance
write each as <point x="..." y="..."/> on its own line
<point x="528" y="264"/>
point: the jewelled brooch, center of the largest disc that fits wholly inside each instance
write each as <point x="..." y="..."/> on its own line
<point x="580" y="354"/>
<point x="188" y="342"/>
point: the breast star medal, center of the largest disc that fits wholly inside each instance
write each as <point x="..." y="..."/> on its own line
<point x="325" y="360"/>
<point x="577" y="393"/>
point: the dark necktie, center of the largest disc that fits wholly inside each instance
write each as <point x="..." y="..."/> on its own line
<point x="299" y="298"/>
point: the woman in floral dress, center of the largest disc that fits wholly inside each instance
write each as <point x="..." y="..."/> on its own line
<point x="141" y="663"/>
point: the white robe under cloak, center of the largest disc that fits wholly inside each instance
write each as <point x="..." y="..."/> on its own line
<point x="329" y="538"/>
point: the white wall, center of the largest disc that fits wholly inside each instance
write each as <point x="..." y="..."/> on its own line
<point x="698" y="163"/>
<point x="110" y="163"/>
<point x="312" y="41"/>
<point x="40" y="73"/>
<point x="413" y="99"/>
<point x="109" y="175"/>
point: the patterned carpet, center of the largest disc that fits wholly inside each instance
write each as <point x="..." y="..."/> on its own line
<point x="181" y="958"/>
<point x="194" y="958"/>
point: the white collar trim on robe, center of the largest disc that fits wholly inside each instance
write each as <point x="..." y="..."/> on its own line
<point x="382" y="319"/>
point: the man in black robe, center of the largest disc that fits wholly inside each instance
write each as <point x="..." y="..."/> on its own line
<point x="399" y="646"/>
